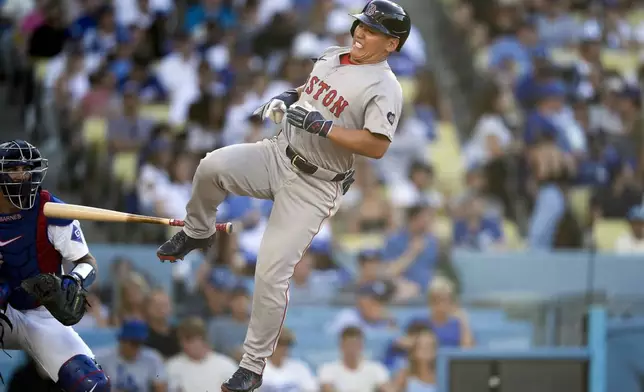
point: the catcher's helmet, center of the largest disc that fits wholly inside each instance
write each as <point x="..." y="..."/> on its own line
<point x="387" y="17"/>
<point x="19" y="156"/>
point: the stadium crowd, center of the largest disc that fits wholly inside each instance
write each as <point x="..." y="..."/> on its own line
<point x="137" y="91"/>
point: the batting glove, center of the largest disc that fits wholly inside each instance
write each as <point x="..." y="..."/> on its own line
<point x="276" y="107"/>
<point x="309" y="119"/>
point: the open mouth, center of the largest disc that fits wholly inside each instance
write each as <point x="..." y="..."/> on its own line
<point x="357" y="45"/>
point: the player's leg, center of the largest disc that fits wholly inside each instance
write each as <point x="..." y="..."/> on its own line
<point x="61" y="353"/>
<point x="241" y="169"/>
<point x="299" y="211"/>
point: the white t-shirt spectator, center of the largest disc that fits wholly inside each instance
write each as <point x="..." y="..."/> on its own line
<point x="404" y="194"/>
<point x="180" y="78"/>
<point x="488" y="126"/>
<point x="367" y="377"/>
<point x="293" y="376"/>
<point x="174" y="197"/>
<point x="627" y="244"/>
<point x="186" y="375"/>
<point x="151" y="186"/>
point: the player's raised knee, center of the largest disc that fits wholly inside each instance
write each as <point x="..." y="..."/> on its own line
<point x="82" y="374"/>
<point x="212" y="165"/>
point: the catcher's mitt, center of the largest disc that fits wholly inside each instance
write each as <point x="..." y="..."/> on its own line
<point x="66" y="302"/>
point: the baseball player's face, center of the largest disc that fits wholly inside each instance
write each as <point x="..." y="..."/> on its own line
<point x="18" y="173"/>
<point x="371" y="46"/>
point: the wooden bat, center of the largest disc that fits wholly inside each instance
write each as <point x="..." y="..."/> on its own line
<point x="73" y="211"/>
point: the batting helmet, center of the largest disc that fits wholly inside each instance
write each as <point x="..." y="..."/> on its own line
<point x="386" y="17"/>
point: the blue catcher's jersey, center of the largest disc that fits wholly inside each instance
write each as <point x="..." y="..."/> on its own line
<point x="25" y="249"/>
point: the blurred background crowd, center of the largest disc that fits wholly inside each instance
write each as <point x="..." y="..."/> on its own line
<point x="521" y="130"/>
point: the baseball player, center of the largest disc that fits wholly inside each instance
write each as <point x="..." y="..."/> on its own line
<point x="39" y="303"/>
<point x="349" y="105"/>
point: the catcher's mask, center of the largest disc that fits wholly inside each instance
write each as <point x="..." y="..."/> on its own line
<point x="22" y="171"/>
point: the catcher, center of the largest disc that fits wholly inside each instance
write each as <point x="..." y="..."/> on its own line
<point x="39" y="303"/>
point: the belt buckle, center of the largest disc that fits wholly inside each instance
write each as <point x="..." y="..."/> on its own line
<point x="294" y="160"/>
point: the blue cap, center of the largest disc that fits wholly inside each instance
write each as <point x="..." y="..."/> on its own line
<point x="223" y="279"/>
<point x="552" y="89"/>
<point x="133" y="330"/>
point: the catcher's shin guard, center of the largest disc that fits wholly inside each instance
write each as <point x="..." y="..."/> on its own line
<point x="82" y="374"/>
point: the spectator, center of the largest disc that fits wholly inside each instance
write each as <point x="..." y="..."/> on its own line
<point x="131" y="299"/>
<point x="217" y="288"/>
<point x="308" y="285"/>
<point x="418" y="189"/>
<point x="131" y="366"/>
<point x="420" y="374"/>
<point x="633" y="241"/>
<point x="412" y="251"/>
<point x="197" y="367"/>
<point x="176" y="192"/>
<point x="622" y="193"/>
<point x="149" y="87"/>
<point x="410" y="145"/>
<point x="153" y="179"/>
<point x="227" y="333"/>
<point x="131" y="130"/>
<point x="370" y="313"/>
<point x="162" y="336"/>
<point x="104" y="38"/>
<point x="372" y="269"/>
<point x="491" y="137"/>
<point x="367" y="208"/>
<point x="556" y="27"/>
<point x="283" y="373"/>
<point x="398" y="351"/>
<point x="475" y="231"/>
<point x="97" y="314"/>
<point x="48" y="39"/>
<point x="517" y="49"/>
<point x="446" y="321"/>
<point x="352" y="372"/>
<point x="101" y="100"/>
<point x="178" y="75"/>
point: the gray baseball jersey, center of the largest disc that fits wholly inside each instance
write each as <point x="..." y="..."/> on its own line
<point x="355" y="97"/>
<point x="136" y="376"/>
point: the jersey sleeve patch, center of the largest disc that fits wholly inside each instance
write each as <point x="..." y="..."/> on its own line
<point x="391" y="117"/>
<point x="77" y="235"/>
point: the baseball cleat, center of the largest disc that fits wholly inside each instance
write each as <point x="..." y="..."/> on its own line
<point x="177" y="247"/>
<point x="242" y="381"/>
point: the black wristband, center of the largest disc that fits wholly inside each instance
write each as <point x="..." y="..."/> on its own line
<point x="289" y="97"/>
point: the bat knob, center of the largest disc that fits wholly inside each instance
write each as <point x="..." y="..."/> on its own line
<point x="176" y="222"/>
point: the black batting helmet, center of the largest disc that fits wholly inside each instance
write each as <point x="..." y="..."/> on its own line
<point x="386" y="17"/>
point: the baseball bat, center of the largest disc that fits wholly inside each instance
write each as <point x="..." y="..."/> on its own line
<point x="78" y="212"/>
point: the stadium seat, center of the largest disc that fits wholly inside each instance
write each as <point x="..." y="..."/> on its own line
<point x="445" y="156"/>
<point x="580" y="203"/>
<point x="606" y="232"/>
<point x="159" y="112"/>
<point x="563" y="56"/>
<point x="125" y="168"/>
<point x="512" y="335"/>
<point x="354" y="243"/>
<point x="95" y="132"/>
<point x="622" y="61"/>
<point x="513" y="238"/>
<point x="443" y="228"/>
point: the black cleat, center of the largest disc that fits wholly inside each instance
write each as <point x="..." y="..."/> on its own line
<point x="177" y="247"/>
<point x="242" y="381"/>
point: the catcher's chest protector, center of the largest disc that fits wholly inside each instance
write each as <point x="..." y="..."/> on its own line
<point x="25" y="250"/>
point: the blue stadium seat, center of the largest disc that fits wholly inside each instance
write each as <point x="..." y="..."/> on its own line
<point x="510" y="335"/>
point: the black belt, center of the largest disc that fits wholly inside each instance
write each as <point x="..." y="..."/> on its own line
<point x="308" y="168"/>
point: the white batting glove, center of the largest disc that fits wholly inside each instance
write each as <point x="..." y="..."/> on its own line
<point x="273" y="109"/>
